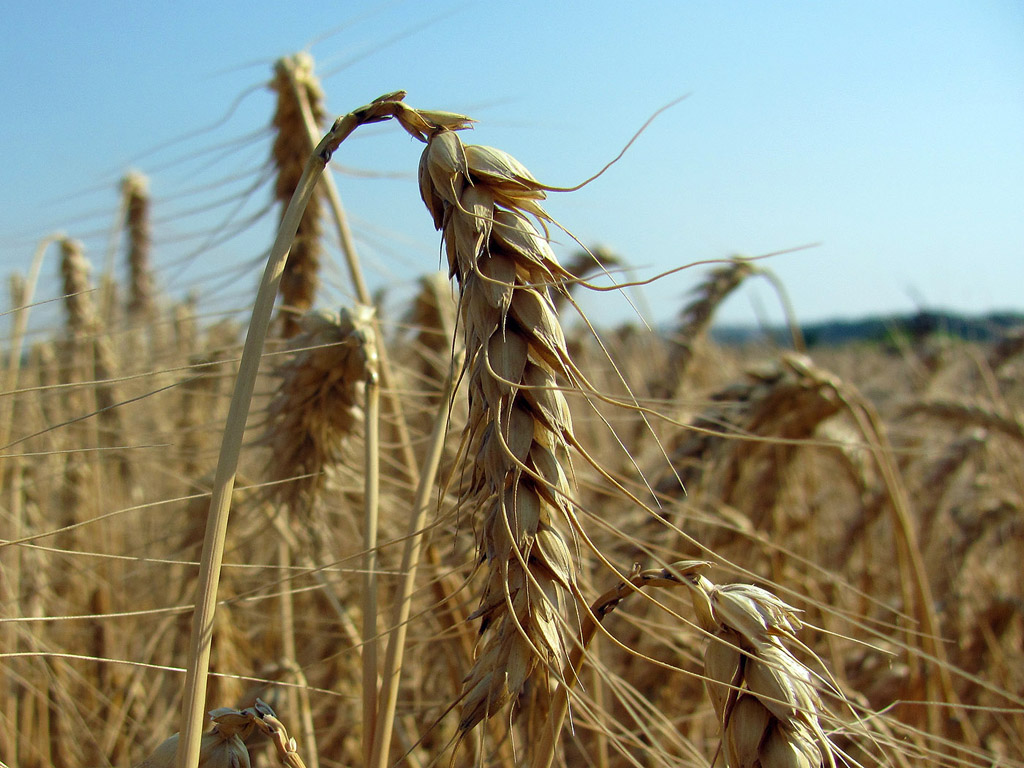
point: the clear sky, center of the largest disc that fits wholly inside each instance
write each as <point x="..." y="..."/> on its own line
<point x="890" y="133"/>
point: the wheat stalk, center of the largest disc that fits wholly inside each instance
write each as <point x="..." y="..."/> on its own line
<point x="314" y="410"/>
<point x="410" y="561"/>
<point x="220" y="502"/>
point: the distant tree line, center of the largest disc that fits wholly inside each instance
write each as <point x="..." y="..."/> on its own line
<point x="912" y="327"/>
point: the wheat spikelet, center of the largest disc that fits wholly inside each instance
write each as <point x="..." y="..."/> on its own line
<point x="135" y="189"/>
<point x="290" y="152"/>
<point x="519" y="425"/>
<point x="766" y="701"/>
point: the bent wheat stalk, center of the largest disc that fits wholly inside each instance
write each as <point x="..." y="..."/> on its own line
<point x="220" y="504"/>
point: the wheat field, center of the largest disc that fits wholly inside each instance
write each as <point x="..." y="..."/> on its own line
<point x="481" y="529"/>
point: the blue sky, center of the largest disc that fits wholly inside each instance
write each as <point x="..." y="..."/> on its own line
<point x="890" y="133"/>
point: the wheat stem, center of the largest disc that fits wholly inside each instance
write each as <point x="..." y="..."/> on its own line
<point x="917" y="593"/>
<point x="234" y="430"/>
<point x="371" y="506"/>
<point x="287" y="620"/>
<point x="410" y="561"/>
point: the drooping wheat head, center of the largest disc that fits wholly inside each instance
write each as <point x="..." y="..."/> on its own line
<point x="224" y="745"/>
<point x="786" y="401"/>
<point x="519" y="426"/>
<point x="766" y="699"/>
<point x="970" y="414"/>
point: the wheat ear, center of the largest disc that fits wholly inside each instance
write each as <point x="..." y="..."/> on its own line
<point x="696" y="316"/>
<point x="135" y="189"/>
<point x="316" y="406"/>
<point x="82" y="319"/>
<point x="294" y="76"/>
<point x="95" y="346"/>
<point x="767" y="703"/>
<point x="519" y="426"/>
<point x="970" y="414"/>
